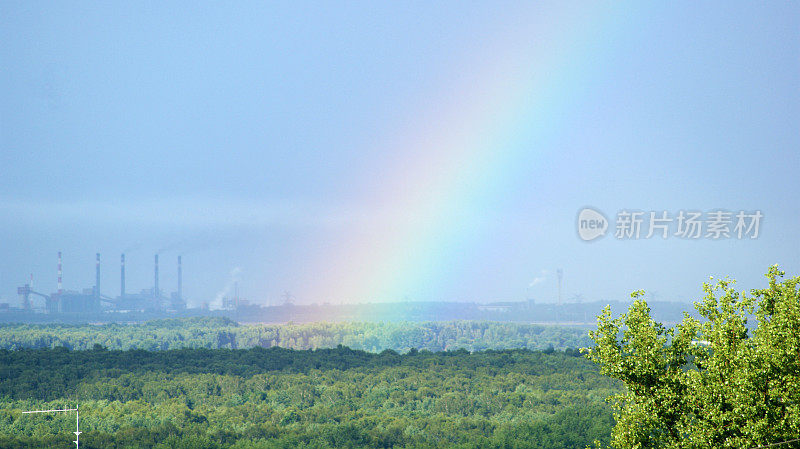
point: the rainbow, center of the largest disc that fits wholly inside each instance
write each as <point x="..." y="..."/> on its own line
<point x="464" y="153"/>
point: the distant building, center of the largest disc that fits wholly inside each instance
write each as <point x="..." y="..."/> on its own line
<point x="502" y="307"/>
<point x="74" y="302"/>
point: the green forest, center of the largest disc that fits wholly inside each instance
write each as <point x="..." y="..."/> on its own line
<point x="218" y="333"/>
<point x="283" y="398"/>
<point x="730" y="379"/>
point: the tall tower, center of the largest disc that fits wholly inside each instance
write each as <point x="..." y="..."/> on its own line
<point x="180" y="278"/>
<point x="97" y="276"/>
<point x="560" y="273"/>
<point x="60" y="289"/>
<point x="122" y="275"/>
<point x="156" y="291"/>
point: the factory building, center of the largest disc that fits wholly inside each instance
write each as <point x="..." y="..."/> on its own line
<point x="74" y="302"/>
<point x="91" y="300"/>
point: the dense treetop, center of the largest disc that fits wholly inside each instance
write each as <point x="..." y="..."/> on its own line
<point x="218" y="332"/>
<point x="713" y="383"/>
<point x="280" y="398"/>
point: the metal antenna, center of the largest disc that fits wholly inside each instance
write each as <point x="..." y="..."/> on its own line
<point x="77" y="421"/>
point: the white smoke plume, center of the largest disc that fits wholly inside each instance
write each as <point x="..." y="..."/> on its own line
<point x="543" y="275"/>
<point x="235" y="276"/>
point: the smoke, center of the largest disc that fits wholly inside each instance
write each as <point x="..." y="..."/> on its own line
<point x="234" y="277"/>
<point x="133" y="247"/>
<point x="543" y="275"/>
<point x="181" y="246"/>
<point x="201" y="241"/>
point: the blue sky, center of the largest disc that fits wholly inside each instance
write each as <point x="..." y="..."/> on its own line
<point x="250" y="138"/>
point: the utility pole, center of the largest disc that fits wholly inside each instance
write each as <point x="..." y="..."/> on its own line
<point x="77" y="421"/>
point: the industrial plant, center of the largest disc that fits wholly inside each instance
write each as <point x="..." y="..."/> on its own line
<point x="92" y="300"/>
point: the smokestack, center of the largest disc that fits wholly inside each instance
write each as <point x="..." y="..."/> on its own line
<point x="60" y="290"/>
<point x="97" y="277"/>
<point x="155" y="287"/>
<point x="180" y="278"/>
<point x="122" y="275"/>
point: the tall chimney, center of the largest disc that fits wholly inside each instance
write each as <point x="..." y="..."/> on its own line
<point x="180" y="279"/>
<point x="60" y="290"/>
<point x="97" y="277"/>
<point x="122" y="276"/>
<point x="155" y="287"/>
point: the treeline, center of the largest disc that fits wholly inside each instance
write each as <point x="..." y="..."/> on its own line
<point x="280" y="398"/>
<point x="219" y="332"/>
<point x="418" y="312"/>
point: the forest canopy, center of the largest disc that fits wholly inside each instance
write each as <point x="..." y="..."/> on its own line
<point x="280" y="398"/>
<point x="218" y="333"/>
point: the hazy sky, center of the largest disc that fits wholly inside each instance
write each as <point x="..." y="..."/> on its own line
<point x="358" y="151"/>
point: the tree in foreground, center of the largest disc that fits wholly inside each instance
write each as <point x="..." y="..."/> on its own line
<point x="711" y="383"/>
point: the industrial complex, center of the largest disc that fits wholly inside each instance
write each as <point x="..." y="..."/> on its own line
<point x="92" y="306"/>
<point x="92" y="300"/>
